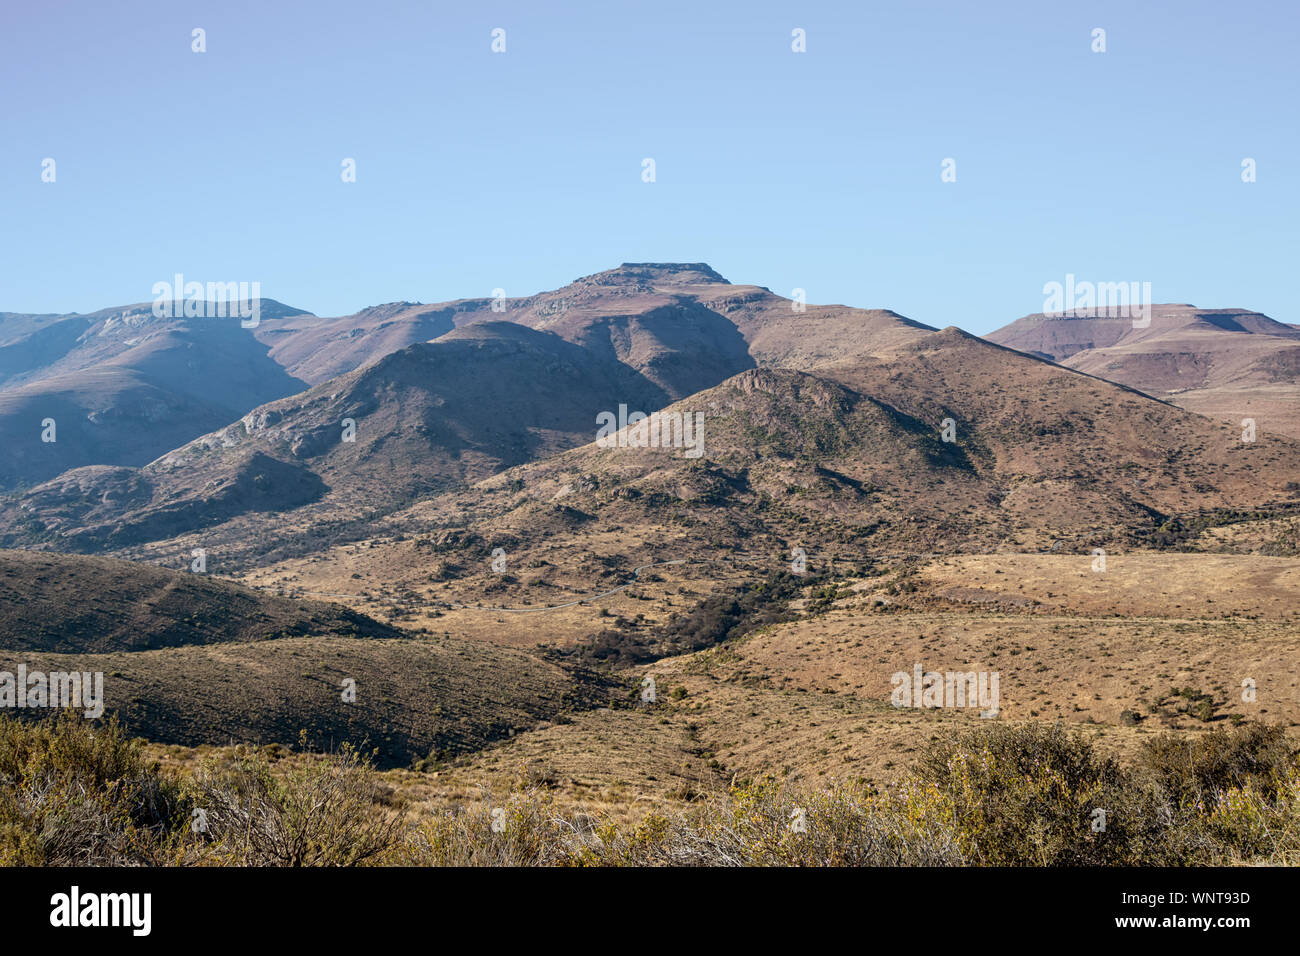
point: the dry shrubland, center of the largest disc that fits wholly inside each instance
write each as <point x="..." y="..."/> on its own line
<point x="76" y="792"/>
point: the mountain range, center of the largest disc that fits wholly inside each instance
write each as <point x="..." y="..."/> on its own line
<point x="398" y="494"/>
<point x="307" y="423"/>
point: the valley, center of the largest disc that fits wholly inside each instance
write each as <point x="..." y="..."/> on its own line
<point x="451" y="544"/>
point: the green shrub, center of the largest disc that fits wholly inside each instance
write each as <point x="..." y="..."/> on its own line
<point x="73" y="792"/>
<point x="522" y="829"/>
<point x="1039" y="796"/>
<point x="1194" y="769"/>
<point x="76" y="793"/>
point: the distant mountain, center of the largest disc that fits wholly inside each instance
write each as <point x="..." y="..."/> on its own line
<point x="123" y="386"/>
<point x="856" y="397"/>
<point x="1225" y="363"/>
<point x="34" y="347"/>
<point x="1059" y="337"/>
<point x="849" y="465"/>
<point x="432" y="414"/>
<point x="420" y="420"/>
<point x="317" y="349"/>
<point x="681" y="325"/>
<point x="105" y="415"/>
<point x="687" y="328"/>
<point x="502" y="383"/>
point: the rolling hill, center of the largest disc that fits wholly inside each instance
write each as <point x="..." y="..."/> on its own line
<point x="189" y="659"/>
<point x="63" y="603"/>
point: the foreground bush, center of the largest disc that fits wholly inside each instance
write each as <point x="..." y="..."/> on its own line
<point x="1196" y="769"/>
<point x="73" y="792"/>
<point x="320" y="812"/>
<point x="1000" y="795"/>
<point x="76" y="793"/>
<point x="1039" y="796"/>
<point x="760" y="825"/>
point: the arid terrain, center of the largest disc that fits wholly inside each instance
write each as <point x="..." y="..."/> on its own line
<point x="403" y="530"/>
<point x="1228" y="364"/>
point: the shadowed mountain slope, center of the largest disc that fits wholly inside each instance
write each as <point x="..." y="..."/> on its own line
<point x="419" y="420"/>
<point x="123" y="386"/>
<point x="75" y="604"/>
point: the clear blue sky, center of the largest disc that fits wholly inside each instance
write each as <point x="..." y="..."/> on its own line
<point x="523" y="170"/>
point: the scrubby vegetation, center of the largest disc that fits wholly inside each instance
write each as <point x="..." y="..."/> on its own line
<point x="718" y="618"/>
<point x="74" y="792"/>
<point x="1177" y="532"/>
<point x="317" y="813"/>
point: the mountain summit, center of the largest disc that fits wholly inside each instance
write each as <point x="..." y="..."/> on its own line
<point x="656" y="274"/>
